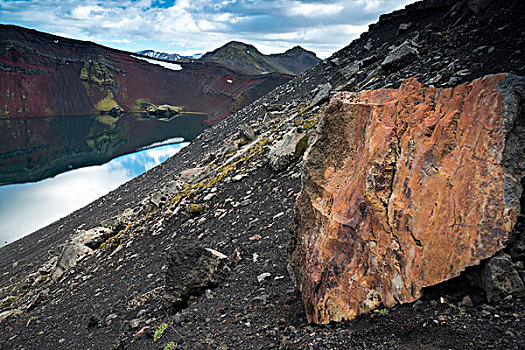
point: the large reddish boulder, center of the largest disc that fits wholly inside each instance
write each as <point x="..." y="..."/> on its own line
<point x="403" y="189"/>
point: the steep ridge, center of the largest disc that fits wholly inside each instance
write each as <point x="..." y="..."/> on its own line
<point x="46" y="75"/>
<point x="246" y="57"/>
<point x="233" y="190"/>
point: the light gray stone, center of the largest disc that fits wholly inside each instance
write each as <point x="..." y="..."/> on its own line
<point x="285" y="151"/>
<point x="71" y="254"/>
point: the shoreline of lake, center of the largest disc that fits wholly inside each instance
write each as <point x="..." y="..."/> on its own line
<point x="37" y="148"/>
<point x="28" y="207"/>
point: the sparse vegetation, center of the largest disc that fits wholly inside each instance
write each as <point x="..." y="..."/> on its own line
<point x="381" y="312"/>
<point x="159" y="331"/>
<point x="170" y="346"/>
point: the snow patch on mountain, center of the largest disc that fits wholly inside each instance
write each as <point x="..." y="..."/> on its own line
<point x="172" y="66"/>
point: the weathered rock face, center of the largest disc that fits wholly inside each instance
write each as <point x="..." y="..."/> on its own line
<point x="403" y="189"/>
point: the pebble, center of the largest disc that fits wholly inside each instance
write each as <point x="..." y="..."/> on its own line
<point x="278" y="215"/>
<point x="238" y="177"/>
<point x="467" y="301"/>
<point x="110" y="318"/>
<point x="418" y="305"/>
<point x="263" y="276"/>
<point x="209" y="197"/>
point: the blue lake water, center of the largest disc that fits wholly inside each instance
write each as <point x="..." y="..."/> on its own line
<point x="24" y="208"/>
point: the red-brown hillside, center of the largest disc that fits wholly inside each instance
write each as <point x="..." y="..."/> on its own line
<point x="47" y="75"/>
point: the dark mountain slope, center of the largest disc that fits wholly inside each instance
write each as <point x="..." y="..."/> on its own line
<point x="295" y="60"/>
<point x="248" y="58"/>
<point x="110" y="298"/>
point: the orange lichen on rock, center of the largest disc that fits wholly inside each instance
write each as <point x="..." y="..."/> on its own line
<point x="402" y="189"/>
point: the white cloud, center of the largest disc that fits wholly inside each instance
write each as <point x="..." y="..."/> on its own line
<point x="197" y="26"/>
<point x="297" y="8"/>
<point x="88" y="12"/>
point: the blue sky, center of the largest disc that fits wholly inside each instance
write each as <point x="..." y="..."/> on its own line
<point x="189" y="27"/>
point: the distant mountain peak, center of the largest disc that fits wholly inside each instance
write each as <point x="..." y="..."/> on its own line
<point x="296" y="51"/>
<point x="247" y="57"/>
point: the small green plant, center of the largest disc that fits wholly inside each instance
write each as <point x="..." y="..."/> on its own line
<point x="382" y="312"/>
<point x="159" y="331"/>
<point x="170" y="346"/>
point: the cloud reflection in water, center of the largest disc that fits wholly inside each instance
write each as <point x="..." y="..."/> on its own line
<point x="24" y="208"/>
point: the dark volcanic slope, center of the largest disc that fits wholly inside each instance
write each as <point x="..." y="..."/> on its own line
<point x="110" y="298"/>
<point x="47" y="75"/>
<point x="248" y="58"/>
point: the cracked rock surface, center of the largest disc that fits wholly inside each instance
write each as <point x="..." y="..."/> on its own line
<point x="403" y="189"/>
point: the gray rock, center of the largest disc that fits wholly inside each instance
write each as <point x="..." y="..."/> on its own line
<point x="247" y="133"/>
<point x="335" y="61"/>
<point x="5" y="314"/>
<point x="365" y="62"/>
<point x="192" y="270"/>
<point x="400" y="56"/>
<point x="263" y="276"/>
<point x="260" y="299"/>
<point x="238" y="177"/>
<point x="350" y="70"/>
<point x="485" y="313"/>
<point x="500" y="278"/>
<point x="418" y="305"/>
<point x="71" y="254"/>
<point x="467" y="301"/>
<point x="268" y="107"/>
<point x="403" y="27"/>
<point x="479" y="49"/>
<point x="436" y="79"/>
<point x="110" y="317"/>
<point x="38" y="299"/>
<point x="209" y="196"/>
<point x="94" y="237"/>
<point x="454" y="81"/>
<point x="194" y="175"/>
<point x="463" y="73"/>
<point x="285" y="151"/>
<point x="135" y="323"/>
<point x="322" y="95"/>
